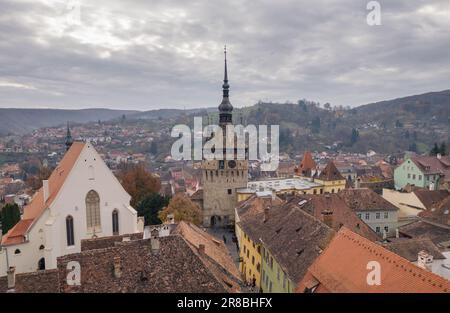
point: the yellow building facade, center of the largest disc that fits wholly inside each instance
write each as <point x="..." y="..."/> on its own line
<point x="250" y="257"/>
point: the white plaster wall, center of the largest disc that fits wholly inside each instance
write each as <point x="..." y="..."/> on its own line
<point x="27" y="260"/>
<point x="50" y="229"/>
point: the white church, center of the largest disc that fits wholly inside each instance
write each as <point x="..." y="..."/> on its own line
<point x="81" y="199"/>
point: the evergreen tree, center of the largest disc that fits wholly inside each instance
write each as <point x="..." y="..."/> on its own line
<point x="355" y="136"/>
<point x="150" y="206"/>
<point x="10" y="216"/>
<point x="435" y="149"/>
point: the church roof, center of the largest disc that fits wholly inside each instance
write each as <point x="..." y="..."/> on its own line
<point x="37" y="205"/>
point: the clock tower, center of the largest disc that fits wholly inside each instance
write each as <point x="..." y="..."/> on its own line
<point x="221" y="178"/>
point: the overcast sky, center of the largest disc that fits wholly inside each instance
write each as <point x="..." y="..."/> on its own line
<point x="144" y="54"/>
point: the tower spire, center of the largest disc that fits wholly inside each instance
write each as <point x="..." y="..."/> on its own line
<point x="225" y="108"/>
<point x="69" y="139"/>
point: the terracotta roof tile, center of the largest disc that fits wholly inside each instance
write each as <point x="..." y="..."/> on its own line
<point x="214" y="248"/>
<point x="330" y="173"/>
<point x="342" y="267"/>
<point x="365" y="199"/>
<point x="307" y="165"/>
<point x="342" y="215"/>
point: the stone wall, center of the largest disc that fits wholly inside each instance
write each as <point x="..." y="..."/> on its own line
<point x="106" y="242"/>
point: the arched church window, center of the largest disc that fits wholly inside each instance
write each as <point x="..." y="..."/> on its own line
<point x="69" y="231"/>
<point x="115" y="222"/>
<point x="41" y="264"/>
<point x="92" y="209"/>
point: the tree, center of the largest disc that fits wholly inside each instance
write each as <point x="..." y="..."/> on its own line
<point x="10" y="216"/>
<point x="150" y="206"/>
<point x="355" y="136"/>
<point x="443" y="149"/>
<point x="35" y="182"/>
<point x="315" y="125"/>
<point x="435" y="149"/>
<point x="138" y="182"/>
<point x="183" y="209"/>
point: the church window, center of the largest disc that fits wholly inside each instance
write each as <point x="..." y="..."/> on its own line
<point x="41" y="264"/>
<point x="17" y="251"/>
<point x="41" y="247"/>
<point x="115" y="222"/>
<point x="69" y="231"/>
<point x="92" y="209"/>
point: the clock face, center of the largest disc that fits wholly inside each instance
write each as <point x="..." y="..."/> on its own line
<point x="232" y="164"/>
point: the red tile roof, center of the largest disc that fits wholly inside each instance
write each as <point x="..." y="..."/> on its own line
<point x="330" y="173"/>
<point x="307" y="165"/>
<point x="37" y="206"/>
<point x="342" y="267"/>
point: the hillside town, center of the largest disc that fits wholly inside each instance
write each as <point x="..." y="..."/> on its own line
<point x="91" y="208"/>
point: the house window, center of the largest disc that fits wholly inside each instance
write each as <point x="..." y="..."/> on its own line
<point x="92" y="209"/>
<point x="229" y="191"/>
<point x="253" y="260"/>
<point x="248" y="253"/>
<point x="414" y="176"/>
<point x="420" y="177"/>
<point x="69" y="231"/>
<point x="386" y="214"/>
<point x="115" y="222"/>
<point x="359" y="215"/>
<point x="367" y="216"/>
<point x="377" y="215"/>
<point x="377" y="229"/>
<point x="386" y="228"/>
<point x="258" y="267"/>
<point x="409" y="176"/>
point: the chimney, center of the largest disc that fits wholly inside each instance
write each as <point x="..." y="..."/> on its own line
<point x="424" y="260"/>
<point x="46" y="189"/>
<point x="327" y="218"/>
<point x="201" y="249"/>
<point x="155" y="245"/>
<point x="140" y="224"/>
<point x="397" y="233"/>
<point x="266" y="214"/>
<point x="431" y="186"/>
<point x="11" y="272"/>
<point x="117" y="267"/>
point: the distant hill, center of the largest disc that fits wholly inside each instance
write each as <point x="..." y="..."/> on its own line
<point x="21" y="121"/>
<point x="409" y="123"/>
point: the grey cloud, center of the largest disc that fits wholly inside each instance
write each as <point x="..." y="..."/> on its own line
<point x="153" y="54"/>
